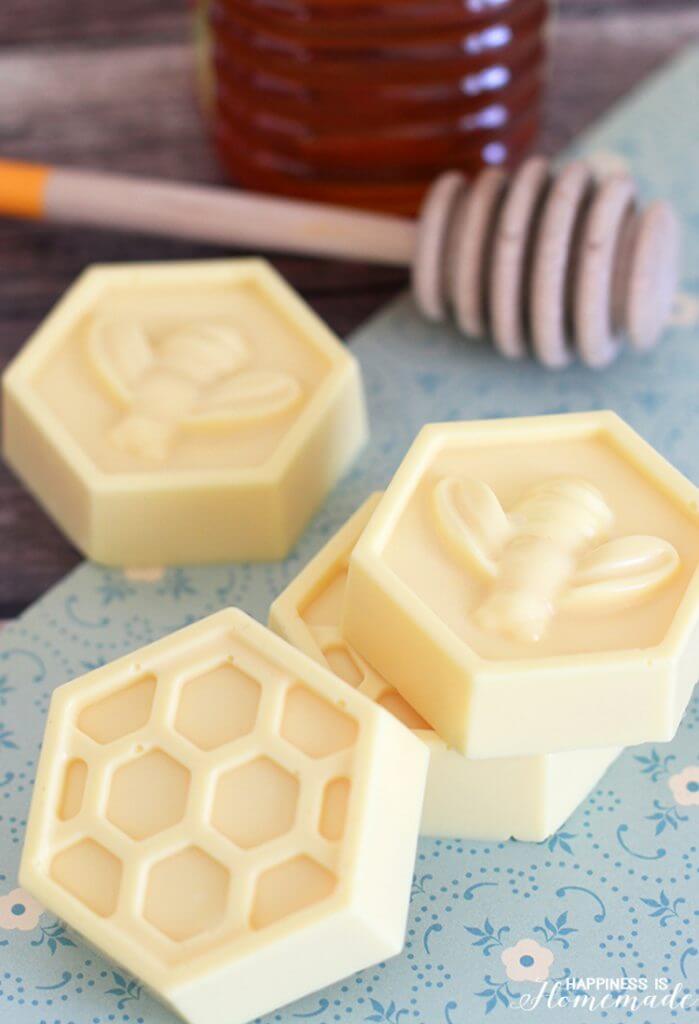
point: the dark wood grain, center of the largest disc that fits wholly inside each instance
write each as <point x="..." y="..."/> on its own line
<point x="95" y="22"/>
<point x="101" y="84"/>
<point x="90" y="22"/>
<point x="597" y="60"/>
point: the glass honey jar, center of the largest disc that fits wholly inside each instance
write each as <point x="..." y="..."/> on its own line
<point x="365" y="102"/>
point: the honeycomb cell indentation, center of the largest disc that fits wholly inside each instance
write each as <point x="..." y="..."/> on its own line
<point x="288" y="888"/>
<point x="148" y="794"/>
<point x="120" y="713"/>
<point x="90" y="873"/>
<point x="171" y="852"/>
<point x="343" y="664"/>
<point x="333" y="814"/>
<point x="314" y="726"/>
<point x="218" y="707"/>
<point x="255" y="802"/>
<point x="186" y="894"/>
<point x="73" y="789"/>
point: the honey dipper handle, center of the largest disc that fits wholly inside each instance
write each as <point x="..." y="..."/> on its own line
<point x="203" y="213"/>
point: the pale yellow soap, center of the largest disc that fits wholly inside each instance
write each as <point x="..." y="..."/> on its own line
<point x="225" y="819"/>
<point x="530" y="585"/>
<point x="492" y="798"/>
<point x="183" y="412"/>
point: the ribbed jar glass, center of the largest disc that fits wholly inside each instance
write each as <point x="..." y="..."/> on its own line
<point x="364" y="102"/>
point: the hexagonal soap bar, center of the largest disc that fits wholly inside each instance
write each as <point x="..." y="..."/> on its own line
<point x="531" y="585"/>
<point x="183" y="412"/>
<point x="492" y="798"/>
<point x="226" y="819"/>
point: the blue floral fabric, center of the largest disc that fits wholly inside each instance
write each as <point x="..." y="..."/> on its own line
<point x="615" y="892"/>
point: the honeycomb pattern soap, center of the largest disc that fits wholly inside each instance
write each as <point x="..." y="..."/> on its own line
<point x="531" y="585"/>
<point x="226" y="820"/>
<point x="184" y="412"/>
<point x="491" y="798"/>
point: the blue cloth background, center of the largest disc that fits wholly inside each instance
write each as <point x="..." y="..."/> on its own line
<point x="616" y="890"/>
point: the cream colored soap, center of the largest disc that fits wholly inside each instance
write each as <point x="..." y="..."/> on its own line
<point x="530" y="585"/>
<point x="494" y="798"/>
<point x="225" y="819"/>
<point x="183" y="412"/>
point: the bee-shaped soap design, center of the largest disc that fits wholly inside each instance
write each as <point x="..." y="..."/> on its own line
<point x="549" y="553"/>
<point x="193" y="378"/>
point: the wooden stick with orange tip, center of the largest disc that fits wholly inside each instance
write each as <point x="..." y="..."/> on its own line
<point x="200" y="212"/>
<point x="23" y="189"/>
<point x="555" y="264"/>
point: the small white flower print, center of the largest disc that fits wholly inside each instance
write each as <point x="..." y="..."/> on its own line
<point x="19" y="911"/>
<point x="685" y="786"/>
<point x="527" y="961"/>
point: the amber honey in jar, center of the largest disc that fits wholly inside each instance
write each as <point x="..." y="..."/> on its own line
<point x="364" y="102"/>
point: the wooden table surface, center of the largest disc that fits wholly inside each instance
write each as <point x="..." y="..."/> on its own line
<point x="101" y="84"/>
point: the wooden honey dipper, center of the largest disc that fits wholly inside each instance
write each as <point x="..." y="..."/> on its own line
<point x="549" y="262"/>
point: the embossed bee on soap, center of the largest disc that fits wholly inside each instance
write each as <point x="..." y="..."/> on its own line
<point x="549" y="553"/>
<point x="195" y="378"/>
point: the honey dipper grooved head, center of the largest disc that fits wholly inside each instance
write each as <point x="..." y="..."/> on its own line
<point x="550" y="322"/>
<point x="554" y="264"/>
<point x="653" y="274"/>
<point x="598" y="339"/>
<point x="511" y="257"/>
<point x="432" y="252"/>
<point x="469" y="247"/>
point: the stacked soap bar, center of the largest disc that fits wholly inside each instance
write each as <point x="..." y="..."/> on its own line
<point x="525" y="598"/>
<point x="183" y="412"/>
<point x="488" y="798"/>
<point x="226" y="819"/>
